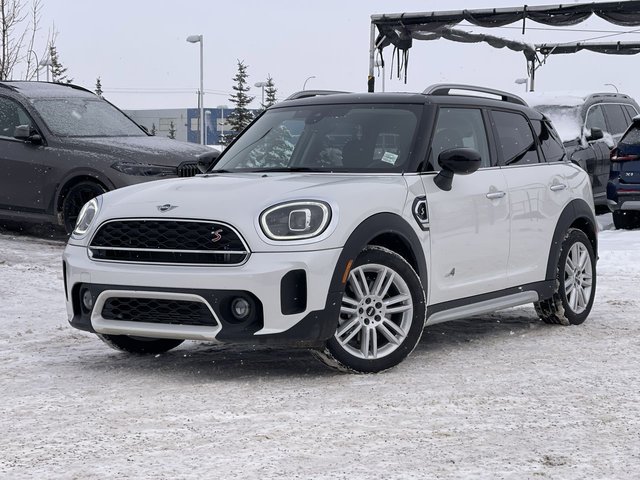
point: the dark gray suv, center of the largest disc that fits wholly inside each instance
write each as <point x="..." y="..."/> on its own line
<point x="590" y="125"/>
<point x="61" y="145"/>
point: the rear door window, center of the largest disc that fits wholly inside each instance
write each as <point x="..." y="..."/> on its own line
<point x="515" y="139"/>
<point x="617" y="120"/>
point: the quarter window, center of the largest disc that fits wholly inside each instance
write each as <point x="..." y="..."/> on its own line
<point x="551" y="146"/>
<point x="515" y="139"/>
<point x="631" y="111"/>
<point x="457" y="128"/>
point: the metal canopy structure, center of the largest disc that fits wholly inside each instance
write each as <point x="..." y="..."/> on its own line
<point x="400" y="29"/>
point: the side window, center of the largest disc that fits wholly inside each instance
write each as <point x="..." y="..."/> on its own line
<point x="456" y="128"/>
<point x="595" y="118"/>
<point x="515" y="138"/>
<point x="11" y="115"/>
<point x="551" y="146"/>
<point x="617" y="121"/>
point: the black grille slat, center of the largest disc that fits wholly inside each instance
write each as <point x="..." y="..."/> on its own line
<point x="168" y="241"/>
<point x="188" y="170"/>
<point x="154" y="310"/>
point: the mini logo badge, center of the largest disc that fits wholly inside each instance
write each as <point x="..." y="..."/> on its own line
<point x="216" y="235"/>
<point x="166" y="207"/>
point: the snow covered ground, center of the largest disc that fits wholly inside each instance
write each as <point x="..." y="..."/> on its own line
<point x="496" y="396"/>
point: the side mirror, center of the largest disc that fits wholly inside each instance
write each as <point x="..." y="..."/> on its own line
<point x="28" y="134"/>
<point x="461" y="161"/>
<point x="207" y="160"/>
<point x="595" y="134"/>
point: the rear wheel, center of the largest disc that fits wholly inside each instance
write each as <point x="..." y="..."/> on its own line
<point x="382" y="314"/>
<point x="74" y="200"/>
<point x="139" y="345"/>
<point x="625" y="219"/>
<point x="575" y="282"/>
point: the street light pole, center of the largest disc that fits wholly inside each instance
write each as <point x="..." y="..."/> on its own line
<point x="261" y="85"/>
<point x="612" y="85"/>
<point x="199" y="39"/>
<point x="304" y="85"/>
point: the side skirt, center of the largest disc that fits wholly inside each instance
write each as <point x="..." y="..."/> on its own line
<point x="489" y="302"/>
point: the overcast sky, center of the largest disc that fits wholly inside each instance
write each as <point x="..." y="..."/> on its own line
<point x="139" y="49"/>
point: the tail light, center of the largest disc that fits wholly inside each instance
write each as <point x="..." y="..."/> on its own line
<point x="616" y="157"/>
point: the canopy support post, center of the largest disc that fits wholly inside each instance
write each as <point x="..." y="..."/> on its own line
<point x="371" y="81"/>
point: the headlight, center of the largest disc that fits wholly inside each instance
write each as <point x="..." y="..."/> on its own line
<point x="144" y="169"/>
<point x="86" y="217"/>
<point x="295" y="220"/>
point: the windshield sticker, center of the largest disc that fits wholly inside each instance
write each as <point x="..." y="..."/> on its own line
<point x="389" y="157"/>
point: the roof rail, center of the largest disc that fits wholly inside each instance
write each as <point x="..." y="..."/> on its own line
<point x="445" y="88"/>
<point x="311" y="93"/>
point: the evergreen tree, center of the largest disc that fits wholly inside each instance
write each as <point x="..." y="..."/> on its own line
<point x="153" y="128"/>
<point x="241" y="115"/>
<point x="270" y="90"/>
<point x="58" y="72"/>
<point x="172" y="130"/>
<point x="98" y="89"/>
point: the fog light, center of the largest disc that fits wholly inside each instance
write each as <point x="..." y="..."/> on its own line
<point x="87" y="300"/>
<point x="240" y="308"/>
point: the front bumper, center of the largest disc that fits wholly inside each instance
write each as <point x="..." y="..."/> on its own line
<point x="290" y="296"/>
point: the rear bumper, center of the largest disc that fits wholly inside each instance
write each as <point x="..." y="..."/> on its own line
<point x="289" y="296"/>
<point x="623" y="196"/>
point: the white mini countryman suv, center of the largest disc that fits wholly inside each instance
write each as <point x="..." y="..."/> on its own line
<point x="344" y="223"/>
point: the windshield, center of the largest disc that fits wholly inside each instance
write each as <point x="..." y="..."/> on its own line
<point x="566" y="120"/>
<point x="85" y="117"/>
<point x="358" y="138"/>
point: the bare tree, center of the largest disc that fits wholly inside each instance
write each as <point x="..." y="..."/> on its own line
<point x="32" y="67"/>
<point x="11" y="16"/>
<point x="16" y="25"/>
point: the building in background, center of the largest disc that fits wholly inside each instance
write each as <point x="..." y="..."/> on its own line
<point x="186" y="123"/>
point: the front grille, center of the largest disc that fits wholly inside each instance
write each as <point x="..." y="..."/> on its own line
<point x="188" y="169"/>
<point x="168" y="241"/>
<point x="154" y="310"/>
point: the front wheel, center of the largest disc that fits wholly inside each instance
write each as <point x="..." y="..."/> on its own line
<point x="382" y="314"/>
<point x="575" y="282"/>
<point x="139" y="345"/>
<point x="75" y="199"/>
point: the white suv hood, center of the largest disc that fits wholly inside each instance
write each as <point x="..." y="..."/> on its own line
<point x="238" y="199"/>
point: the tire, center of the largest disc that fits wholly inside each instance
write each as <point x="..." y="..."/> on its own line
<point x="75" y="199"/>
<point x="370" y="337"/>
<point x="625" y="219"/>
<point x="575" y="282"/>
<point x="139" y="345"/>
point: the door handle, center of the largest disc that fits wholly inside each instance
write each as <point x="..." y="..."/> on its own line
<point x="495" y="195"/>
<point x="557" y="187"/>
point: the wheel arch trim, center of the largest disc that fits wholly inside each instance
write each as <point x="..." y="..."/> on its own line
<point x="577" y="214"/>
<point x="379" y="226"/>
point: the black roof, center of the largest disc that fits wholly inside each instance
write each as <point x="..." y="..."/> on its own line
<point x="45" y="89"/>
<point x="407" y="98"/>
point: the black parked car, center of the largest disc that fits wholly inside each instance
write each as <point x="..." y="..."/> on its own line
<point x="61" y="145"/>
<point x="589" y="125"/>
<point x="623" y="189"/>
